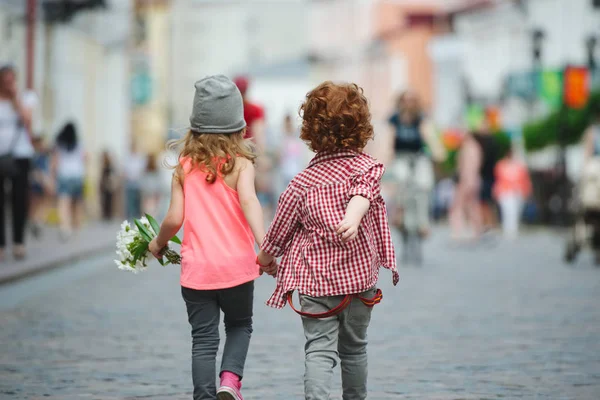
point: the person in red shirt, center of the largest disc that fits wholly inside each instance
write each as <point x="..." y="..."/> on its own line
<point x="253" y="113"/>
<point x="511" y="189"/>
<point x="332" y="230"/>
<point x="254" y="116"/>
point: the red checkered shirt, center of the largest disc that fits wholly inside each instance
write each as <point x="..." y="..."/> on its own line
<point x="315" y="261"/>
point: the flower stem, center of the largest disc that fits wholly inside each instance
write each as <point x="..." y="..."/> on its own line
<point x="172" y="257"/>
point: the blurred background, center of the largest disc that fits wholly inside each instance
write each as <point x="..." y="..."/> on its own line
<point x="123" y="71"/>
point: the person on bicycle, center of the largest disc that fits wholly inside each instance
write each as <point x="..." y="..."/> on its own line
<point x="412" y="134"/>
<point x="591" y="143"/>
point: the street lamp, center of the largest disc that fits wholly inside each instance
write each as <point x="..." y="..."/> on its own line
<point x="590" y="44"/>
<point x="537" y="36"/>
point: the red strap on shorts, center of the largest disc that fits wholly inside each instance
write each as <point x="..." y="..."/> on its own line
<point x="340" y="307"/>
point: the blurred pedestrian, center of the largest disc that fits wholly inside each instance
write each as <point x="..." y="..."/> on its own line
<point x="69" y="168"/>
<point x="320" y="212"/>
<point x="444" y="195"/>
<point x="151" y="186"/>
<point x="214" y="199"/>
<point x="291" y="153"/>
<point x="591" y="179"/>
<point x="412" y="133"/>
<point x="134" y="167"/>
<point x="109" y="183"/>
<point x="511" y="188"/>
<point x="490" y="156"/>
<point x="254" y="115"/>
<point x="466" y="204"/>
<point x="16" y="151"/>
<point x="42" y="186"/>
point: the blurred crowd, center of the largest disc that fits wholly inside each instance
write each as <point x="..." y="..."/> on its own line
<point x="487" y="189"/>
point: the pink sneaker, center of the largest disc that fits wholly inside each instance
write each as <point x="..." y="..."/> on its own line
<point x="230" y="387"/>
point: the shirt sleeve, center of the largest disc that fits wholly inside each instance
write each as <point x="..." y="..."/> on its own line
<point x="30" y="99"/>
<point x="393" y="120"/>
<point x="284" y="225"/>
<point x="368" y="184"/>
<point x="383" y="238"/>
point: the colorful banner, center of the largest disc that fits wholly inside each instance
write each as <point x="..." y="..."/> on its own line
<point x="551" y="87"/>
<point x="576" y="87"/>
<point x="494" y="118"/>
<point x="475" y="116"/>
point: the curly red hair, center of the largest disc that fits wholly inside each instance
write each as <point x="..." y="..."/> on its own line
<point x="336" y="117"/>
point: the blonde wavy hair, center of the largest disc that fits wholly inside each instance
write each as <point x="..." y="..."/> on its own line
<point x="214" y="154"/>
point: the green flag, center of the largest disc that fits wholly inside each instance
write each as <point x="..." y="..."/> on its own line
<point x="551" y="87"/>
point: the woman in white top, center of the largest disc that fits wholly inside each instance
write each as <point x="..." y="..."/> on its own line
<point x="69" y="169"/>
<point x="15" y="141"/>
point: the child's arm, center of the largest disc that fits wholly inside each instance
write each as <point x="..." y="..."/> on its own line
<point x="173" y="220"/>
<point x="365" y="189"/>
<point x="282" y="230"/>
<point x="249" y="201"/>
<point x="356" y="210"/>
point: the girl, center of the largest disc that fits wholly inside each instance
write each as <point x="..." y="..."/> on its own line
<point x="511" y="189"/>
<point x="213" y="197"/>
<point x="69" y="167"/>
<point x="465" y="205"/>
<point x="331" y="254"/>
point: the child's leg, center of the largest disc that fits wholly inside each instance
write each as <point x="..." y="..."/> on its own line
<point x="321" y="346"/>
<point x="352" y="348"/>
<point x="236" y="304"/>
<point x="203" y="315"/>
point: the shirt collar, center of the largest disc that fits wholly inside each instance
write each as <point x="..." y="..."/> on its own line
<point x="327" y="156"/>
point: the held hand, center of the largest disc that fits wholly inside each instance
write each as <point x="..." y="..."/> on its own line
<point x="270" y="269"/>
<point x="348" y="229"/>
<point x="155" y="249"/>
<point x="267" y="263"/>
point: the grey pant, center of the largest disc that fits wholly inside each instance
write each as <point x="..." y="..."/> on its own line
<point x="203" y="307"/>
<point x="342" y="337"/>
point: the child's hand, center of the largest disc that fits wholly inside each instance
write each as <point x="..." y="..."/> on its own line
<point x="270" y="269"/>
<point x="155" y="249"/>
<point x="348" y="228"/>
<point x="267" y="263"/>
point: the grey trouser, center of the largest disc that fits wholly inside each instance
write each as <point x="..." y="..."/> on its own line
<point x="203" y="307"/>
<point x="342" y="337"/>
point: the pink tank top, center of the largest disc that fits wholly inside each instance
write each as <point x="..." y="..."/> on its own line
<point x="218" y="245"/>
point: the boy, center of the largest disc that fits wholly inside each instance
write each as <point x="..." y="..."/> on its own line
<point x="331" y="229"/>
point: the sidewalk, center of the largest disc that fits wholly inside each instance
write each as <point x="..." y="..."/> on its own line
<point x="50" y="252"/>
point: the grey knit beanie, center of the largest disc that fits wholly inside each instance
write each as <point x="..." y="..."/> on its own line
<point x="218" y="106"/>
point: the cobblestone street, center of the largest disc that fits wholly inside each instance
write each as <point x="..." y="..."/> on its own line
<point x="499" y="320"/>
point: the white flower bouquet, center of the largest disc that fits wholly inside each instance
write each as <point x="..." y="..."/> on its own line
<point x="133" y="241"/>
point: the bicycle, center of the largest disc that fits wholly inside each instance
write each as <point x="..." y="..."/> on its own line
<point x="412" y="201"/>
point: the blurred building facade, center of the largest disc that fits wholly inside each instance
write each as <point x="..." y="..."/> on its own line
<point x="150" y="72"/>
<point x="383" y="46"/>
<point x="264" y="38"/>
<point x="493" y="48"/>
<point x="80" y="74"/>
